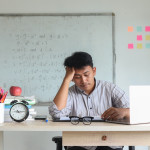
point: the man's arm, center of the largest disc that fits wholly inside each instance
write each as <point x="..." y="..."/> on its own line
<point x="61" y="97"/>
<point x="120" y="104"/>
<point x="116" y="113"/>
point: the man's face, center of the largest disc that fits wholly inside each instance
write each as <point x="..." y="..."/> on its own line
<point x="84" y="78"/>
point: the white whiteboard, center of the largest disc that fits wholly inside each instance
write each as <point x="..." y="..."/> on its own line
<point x="33" y="48"/>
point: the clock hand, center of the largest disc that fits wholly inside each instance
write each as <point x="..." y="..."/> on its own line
<point x="19" y="111"/>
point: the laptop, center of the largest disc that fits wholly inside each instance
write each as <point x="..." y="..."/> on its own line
<point x="139" y="97"/>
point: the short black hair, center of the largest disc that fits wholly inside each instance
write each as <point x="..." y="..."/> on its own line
<point x="79" y="60"/>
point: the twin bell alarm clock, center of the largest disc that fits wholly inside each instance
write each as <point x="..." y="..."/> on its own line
<point x="19" y="111"/>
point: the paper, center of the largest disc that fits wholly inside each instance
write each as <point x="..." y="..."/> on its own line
<point x="97" y="118"/>
<point x="148" y="45"/>
<point x="130" y="46"/>
<point x="64" y="118"/>
<point x="1" y="112"/>
<point x="139" y="46"/>
<point x="147" y="28"/>
<point x="139" y="37"/>
<point x="139" y="29"/>
<point x="130" y="29"/>
<point x="147" y="37"/>
<point x="31" y="100"/>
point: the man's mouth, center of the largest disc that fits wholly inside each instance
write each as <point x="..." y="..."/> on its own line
<point x="84" y="85"/>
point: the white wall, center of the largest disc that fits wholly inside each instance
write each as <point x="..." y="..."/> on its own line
<point x="131" y="66"/>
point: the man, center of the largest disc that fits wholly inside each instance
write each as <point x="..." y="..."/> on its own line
<point x="88" y="97"/>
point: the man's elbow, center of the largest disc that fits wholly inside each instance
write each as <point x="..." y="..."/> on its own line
<point x="59" y="107"/>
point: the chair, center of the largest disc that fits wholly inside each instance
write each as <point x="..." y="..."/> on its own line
<point x="58" y="141"/>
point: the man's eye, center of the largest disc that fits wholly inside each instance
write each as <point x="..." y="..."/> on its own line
<point x="86" y="75"/>
<point x="77" y="77"/>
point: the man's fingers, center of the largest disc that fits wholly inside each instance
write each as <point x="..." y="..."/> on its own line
<point x="108" y="114"/>
<point x="69" y="68"/>
<point x="114" y="116"/>
<point x="107" y="111"/>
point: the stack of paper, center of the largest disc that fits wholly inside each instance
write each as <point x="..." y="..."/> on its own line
<point x="31" y="100"/>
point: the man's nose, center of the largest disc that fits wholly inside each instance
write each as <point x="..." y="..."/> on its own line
<point x="83" y="79"/>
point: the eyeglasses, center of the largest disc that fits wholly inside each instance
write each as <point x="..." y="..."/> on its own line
<point x="86" y="120"/>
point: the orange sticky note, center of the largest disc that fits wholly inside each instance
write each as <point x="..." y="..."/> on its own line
<point x="130" y="29"/>
<point x="147" y="37"/>
<point x="139" y="46"/>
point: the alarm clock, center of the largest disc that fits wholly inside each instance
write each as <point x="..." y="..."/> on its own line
<point x="19" y="112"/>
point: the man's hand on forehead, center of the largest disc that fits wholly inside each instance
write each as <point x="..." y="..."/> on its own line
<point x="69" y="73"/>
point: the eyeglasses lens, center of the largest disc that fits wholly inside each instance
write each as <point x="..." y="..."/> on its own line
<point x="87" y="120"/>
<point x="74" y="120"/>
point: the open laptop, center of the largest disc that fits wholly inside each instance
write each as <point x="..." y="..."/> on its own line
<point x="139" y="97"/>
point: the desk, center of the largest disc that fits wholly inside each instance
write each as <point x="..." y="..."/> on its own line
<point x="86" y="135"/>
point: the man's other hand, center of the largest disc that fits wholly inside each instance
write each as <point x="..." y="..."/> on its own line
<point x="115" y="113"/>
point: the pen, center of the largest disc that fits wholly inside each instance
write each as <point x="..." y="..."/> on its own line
<point x="1" y="93"/>
<point x="46" y="120"/>
<point x="3" y="97"/>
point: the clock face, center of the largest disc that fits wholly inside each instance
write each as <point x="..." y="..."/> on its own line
<point x="19" y="112"/>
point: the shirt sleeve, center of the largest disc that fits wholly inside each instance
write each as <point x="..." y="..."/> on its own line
<point x="55" y="113"/>
<point x="119" y="97"/>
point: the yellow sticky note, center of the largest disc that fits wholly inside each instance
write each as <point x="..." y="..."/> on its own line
<point x="139" y="46"/>
<point x="147" y="37"/>
<point x="130" y="29"/>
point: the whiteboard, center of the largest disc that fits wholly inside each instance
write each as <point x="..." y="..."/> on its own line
<point x="33" y="48"/>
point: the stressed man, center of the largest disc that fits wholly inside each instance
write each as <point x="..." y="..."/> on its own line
<point x="88" y="96"/>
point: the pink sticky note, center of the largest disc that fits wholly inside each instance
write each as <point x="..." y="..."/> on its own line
<point x="139" y="37"/>
<point x="130" y="46"/>
<point x="147" y="28"/>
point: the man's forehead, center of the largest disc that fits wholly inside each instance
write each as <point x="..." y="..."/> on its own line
<point x="83" y="70"/>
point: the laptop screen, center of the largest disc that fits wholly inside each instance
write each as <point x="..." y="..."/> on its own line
<point x="139" y="104"/>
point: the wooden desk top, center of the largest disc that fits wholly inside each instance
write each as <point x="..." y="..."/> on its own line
<point x="67" y="126"/>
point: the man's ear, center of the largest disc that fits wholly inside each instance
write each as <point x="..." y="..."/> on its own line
<point x="94" y="71"/>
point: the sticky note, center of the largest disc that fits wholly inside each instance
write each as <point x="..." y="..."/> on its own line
<point x="139" y="37"/>
<point x="139" y="29"/>
<point x="130" y="29"/>
<point x="147" y="37"/>
<point x="147" y="28"/>
<point x="147" y="45"/>
<point x="139" y="46"/>
<point x="130" y="46"/>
